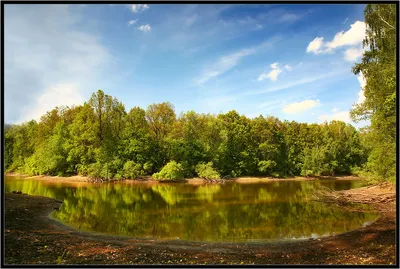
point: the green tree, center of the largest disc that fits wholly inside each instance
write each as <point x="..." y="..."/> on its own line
<point x="171" y="170"/>
<point x="378" y="66"/>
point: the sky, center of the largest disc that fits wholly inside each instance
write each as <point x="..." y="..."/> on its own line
<point x="291" y="61"/>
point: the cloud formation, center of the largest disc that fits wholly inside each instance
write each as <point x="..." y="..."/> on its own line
<point x="354" y="36"/>
<point x="136" y="8"/>
<point x="340" y="115"/>
<point x="273" y="74"/>
<point x="363" y="82"/>
<point x="352" y="54"/>
<point x="144" y="28"/>
<point x="316" y="46"/>
<point x="58" y="95"/>
<point x="131" y="22"/>
<point x="45" y="53"/>
<point x="227" y="62"/>
<point x="300" y="106"/>
<point x="224" y="64"/>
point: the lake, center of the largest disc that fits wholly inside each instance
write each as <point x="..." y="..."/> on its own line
<point x="230" y="212"/>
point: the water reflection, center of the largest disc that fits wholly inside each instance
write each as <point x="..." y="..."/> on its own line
<point x="229" y="212"/>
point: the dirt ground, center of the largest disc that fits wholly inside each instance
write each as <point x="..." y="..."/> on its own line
<point x="32" y="237"/>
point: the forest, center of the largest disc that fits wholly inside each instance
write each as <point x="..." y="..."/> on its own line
<point x="100" y="139"/>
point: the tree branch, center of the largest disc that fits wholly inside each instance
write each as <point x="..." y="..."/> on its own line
<point x="386" y="22"/>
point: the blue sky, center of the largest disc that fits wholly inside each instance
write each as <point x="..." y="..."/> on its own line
<point x="290" y="61"/>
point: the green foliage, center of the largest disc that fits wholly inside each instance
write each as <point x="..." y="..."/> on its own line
<point x="171" y="171"/>
<point x="314" y="162"/>
<point x="132" y="170"/>
<point x="206" y="170"/>
<point x="266" y="166"/>
<point x="95" y="170"/>
<point x="378" y="66"/>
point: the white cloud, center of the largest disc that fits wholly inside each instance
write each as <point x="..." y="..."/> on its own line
<point x="300" y="106"/>
<point x="145" y="28"/>
<point x="362" y="81"/>
<point x="139" y="7"/>
<point x="224" y="64"/>
<point x="273" y="74"/>
<point x="59" y="95"/>
<point x="353" y="54"/>
<point x="45" y="51"/>
<point x="294" y="83"/>
<point x="341" y="116"/>
<point x="131" y="22"/>
<point x="316" y="45"/>
<point x="227" y="62"/>
<point x="274" y="65"/>
<point x="354" y="36"/>
<point x="288" y="67"/>
<point x="335" y="109"/>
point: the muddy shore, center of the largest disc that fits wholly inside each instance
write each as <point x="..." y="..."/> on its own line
<point x="32" y="237"/>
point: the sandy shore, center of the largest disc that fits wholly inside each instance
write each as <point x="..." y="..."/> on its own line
<point x="32" y="237"/>
<point x="195" y="181"/>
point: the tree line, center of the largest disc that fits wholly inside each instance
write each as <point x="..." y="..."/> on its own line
<point x="100" y="139"/>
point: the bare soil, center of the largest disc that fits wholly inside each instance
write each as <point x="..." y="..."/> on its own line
<point x="33" y="237"/>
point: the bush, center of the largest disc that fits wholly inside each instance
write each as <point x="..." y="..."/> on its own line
<point x="94" y="170"/>
<point x="171" y="170"/>
<point x="205" y="170"/>
<point x="82" y="169"/>
<point x="132" y="170"/>
<point x="148" y="167"/>
<point x="118" y="176"/>
<point x="266" y="167"/>
<point x="100" y="170"/>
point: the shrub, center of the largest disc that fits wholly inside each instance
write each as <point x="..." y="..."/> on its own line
<point x="266" y="166"/>
<point x="171" y="170"/>
<point x="94" y="170"/>
<point x="82" y="169"/>
<point x="132" y="170"/>
<point x="206" y="170"/>
<point x="118" y="176"/>
<point x="100" y="170"/>
<point x="148" y="167"/>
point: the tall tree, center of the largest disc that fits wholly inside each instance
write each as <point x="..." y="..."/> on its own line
<point x="378" y="66"/>
<point x="160" y="118"/>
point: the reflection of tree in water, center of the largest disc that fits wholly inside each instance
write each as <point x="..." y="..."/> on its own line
<point x="229" y="212"/>
<point x="207" y="192"/>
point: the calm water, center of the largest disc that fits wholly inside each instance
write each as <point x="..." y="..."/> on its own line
<point x="230" y="212"/>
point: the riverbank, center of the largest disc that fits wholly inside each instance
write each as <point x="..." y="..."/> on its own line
<point x="32" y="237"/>
<point x="196" y="180"/>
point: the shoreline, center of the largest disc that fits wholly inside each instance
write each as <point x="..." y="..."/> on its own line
<point x="194" y="180"/>
<point x="33" y="237"/>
